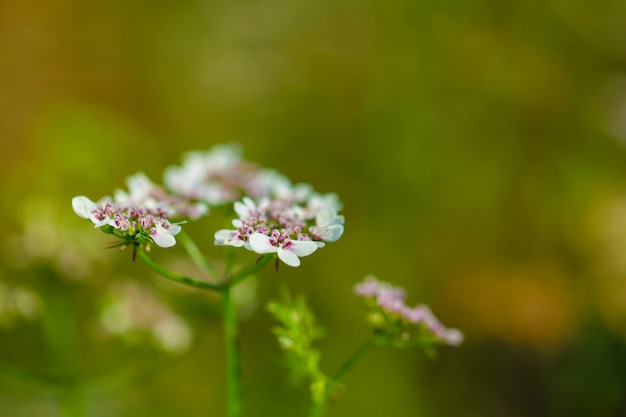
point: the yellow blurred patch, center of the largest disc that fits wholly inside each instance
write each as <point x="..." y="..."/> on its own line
<point x="534" y="307"/>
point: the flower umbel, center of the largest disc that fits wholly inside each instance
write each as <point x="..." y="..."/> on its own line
<point x="218" y="176"/>
<point x="292" y="224"/>
<point x="399" y="324"/>
<point x="144" y="193"/>
<point x="134" y="224"/>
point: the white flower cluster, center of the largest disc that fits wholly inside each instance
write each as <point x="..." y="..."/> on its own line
<point x="219" y="176"/>
<point x="292" y="223"/>
<point x="274" y="215"/>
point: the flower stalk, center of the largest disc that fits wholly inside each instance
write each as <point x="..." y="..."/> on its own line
<point x="352" y="360"/>
<point x="196" y="255"/>
<point x="229" y="315"/>
<point x="181" y="279"/>
<point x="233" y="365"/>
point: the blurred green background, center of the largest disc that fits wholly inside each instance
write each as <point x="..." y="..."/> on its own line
<point x="478" y="148"/>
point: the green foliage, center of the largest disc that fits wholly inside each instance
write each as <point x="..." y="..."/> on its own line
<point x="297" y="331"/>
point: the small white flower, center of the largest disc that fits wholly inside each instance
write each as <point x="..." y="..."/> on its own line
<point x="140" y="189"/>
<point x="247" y="207"/>
<point x="83" y="206"/>
<point x="87" y="209"/>
<point x="199" y="177"/>
<point x="227" y="237"/>
<point x="163" y="234"/>
<point x="289" y="251"/>
<point x="328" y="225"/>
<point x="319" y="202"/>
<point x="183" y="180"/>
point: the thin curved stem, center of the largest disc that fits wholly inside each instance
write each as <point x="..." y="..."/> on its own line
<point x="352" y="360"/>
<point x="317" y="408"/>
<point x="181" y="279"/>
<point x="245" y="272"/>
<point x="196" y="255"/>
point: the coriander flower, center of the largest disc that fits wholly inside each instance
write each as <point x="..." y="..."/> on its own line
<point x="221" y="175"/>
<point x="133" y="224"/>
<point x="143" y="192"/>
<point x="234" y="238"/>
<point x="288" y="250"/>
<point x="391" y="315"/>
<point x="328" y="225"/>
<point x="215" y="177"/>
<point x="284" y="224"/>
<point x="143" y="214"/>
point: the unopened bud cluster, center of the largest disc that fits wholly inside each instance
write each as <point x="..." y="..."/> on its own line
<point x="389" y="314"/>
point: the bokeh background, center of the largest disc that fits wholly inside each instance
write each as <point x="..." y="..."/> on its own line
<point x="478" y="148"/>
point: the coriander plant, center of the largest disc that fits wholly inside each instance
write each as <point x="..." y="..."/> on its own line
<point x="279" y="221"/>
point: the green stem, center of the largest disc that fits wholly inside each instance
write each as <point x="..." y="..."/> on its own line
<point x="233" y="367"/>
<point x="231" y="335"/>
<point x="196" y="255"/>
<point x="317" y="408"/>
<point x="352" y="360"/>
<point x="177" y="277"/>
<point x="229" y="317"/>
<point x="249" y="270"/>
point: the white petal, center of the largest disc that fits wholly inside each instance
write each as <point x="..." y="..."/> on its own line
<point x="102" y="222"/>
<point x="122" y="197"/>
<point x="249" y="202"/>
<point x="83" y="206"/>
<point x="226" y="237"/>
<point x="301" y="247"/>
<point x="325" y="218"/>
<point x="240" y="209"/>
<point x="162" y="238"/>
<point x="288" y="257"/>
<point x="174" y="229"/>
<point x="224" y="234"/>
<point x="260" y="243"/>
<point x="198" y="210"/>
<point x="332" y="233"/>
<point x="139" y="186"/>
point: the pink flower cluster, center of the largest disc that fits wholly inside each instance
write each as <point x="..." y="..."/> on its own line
<point x="391" y="300"/>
